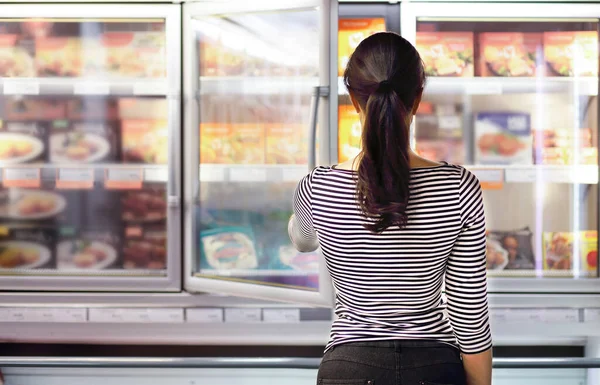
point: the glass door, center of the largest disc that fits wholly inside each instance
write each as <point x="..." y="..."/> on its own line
<point x="89" y="121"/>
<point x="515" y="100"/>
<point x="257" y="120"/>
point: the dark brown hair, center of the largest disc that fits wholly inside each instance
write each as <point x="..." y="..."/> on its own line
<point x="385" y="75"/>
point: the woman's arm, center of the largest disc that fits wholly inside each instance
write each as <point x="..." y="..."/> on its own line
<point x="300" y="227"/>
<point x="466" y="285"/>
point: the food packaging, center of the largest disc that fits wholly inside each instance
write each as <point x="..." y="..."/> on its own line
<point x="503" y="138"/>
<point x="148" y="205"/>
<point x="447" y="150"/>
<point x="144" y="141"/>
<point x="562" y="249"/>
<point x="28" y="109"/>
<point x="247" y="143"/>
<point x="228" y="248"/>
<point x="571" y="53"/>
<point x="215" y="143"/>
<point x="135" y="54"/>
<point x="510" y="250"/>
<point x="23" y="142"/>
<point x="93" y="109"/>
<point x="510" y="54"/>
<point x="564" y="147"/>
<point x="350" y="132"/>
<point x="145" y="247"/>
<point x="88" y="249"/>
<point x="83" y="142"/>
<point x="351" y="33"/>
<point x="286" y="143"/>
<point x="58" y="56"/>
<point x="26" y="248"/>
<point x="142" y="108"/>
<point x="30" y="205"/>
<point x="446" y="53"/>
<point x="15" y="61"/>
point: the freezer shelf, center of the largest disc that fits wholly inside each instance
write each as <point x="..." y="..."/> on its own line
<point x="260" y="85"/>
<point x="252" y="173"/>
<point x="83" y="86"/>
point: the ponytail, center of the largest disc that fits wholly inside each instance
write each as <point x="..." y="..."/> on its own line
<point x="384" y="169"/>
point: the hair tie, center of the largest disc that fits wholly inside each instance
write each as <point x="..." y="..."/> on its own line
<point x="385" y="87"/>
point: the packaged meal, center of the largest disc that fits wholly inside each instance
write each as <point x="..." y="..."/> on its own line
<point x="228" y="248"/>
<point x="571" y="53"/>
<point x="145" y="247"/>
<point x="26" y="248"/>
<point x="23" y="142"/>
<point x="503" y="138"/>
<point x="509" y="53"/>
<point x="88" y="249"/>
<point x="286" y="143"/>
<point x="562" y="249"/>
<point x="15" y="61"/>
<point x="510" y="250"/>
<point x="83" y="142"/>
<point x="446" y="53"/>
<point x="144" y="141"/>
<point x="351" y="33"/>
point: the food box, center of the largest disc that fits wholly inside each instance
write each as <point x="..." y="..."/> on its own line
<point x="286" y="144"/>
<point x="510" y="250"/>
<point x="135" y="54"/>
<point x="503" y="138"/>
<point x="17" y="108"/>
<point x="15" y="61"/>
<point x="215" y="143"/>
<point x="143" y="108"/>
<point x="58" y="56"/>
<point x="93" y="109"/>
<point x="446" y="53"/>
<point x="30" y="205"/>
<point x="26" y="248"/>
<point x="228" y="248"/>
<point x="564" y="147"/>
<point x="351" y="33"/>
<point x="83" y="142"/>
<point x="350" y="132"/>
<point x="510" y="54"/>
<point x="448" y="150"/>
<point x="23" y="142"/>
<point x="248" y="143"/>
<point x="145" y="247"/>
<point x="444" y="121"/>
<point x="566" y="250"/>
<point x="88" y="249"/>
<point x="148" y="205"/>
<point x="571" y="53"/>
<point x="144" y="141"/>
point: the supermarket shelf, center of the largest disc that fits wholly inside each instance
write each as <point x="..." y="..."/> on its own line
<point x="255" y="273"/>
<point x="246" y="85"/>
<point x="499" y="86"/>
<point x="83" y="86"/>
<point x="82" y="175"/>
<point x="83" y="273"/>
<point x="585" y="174"/>
<point x="252" y="173"/>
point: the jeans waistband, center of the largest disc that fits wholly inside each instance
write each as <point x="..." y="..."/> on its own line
<point x="394" y="344"/>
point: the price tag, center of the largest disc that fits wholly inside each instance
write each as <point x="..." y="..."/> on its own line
<point x="150" y="88"/>
<point x="294" y="174"/>
<point x="165" y="315"/>
<point x="106" y="315"/>
<point x="124" y="178"/>
<point x="561" y="315"/>
<point x="524" y="315"/>
<point x="123" y="315"/>
<point x="91" y="88"/>
<point x="17" y="314"/>
<point x="75" y="178"/>
<point x="21" y="87"/>
<point x="212" y="173"/>
<point x="248" y="174"/>
<point x="591" y="315"/>
<point x="5" y="314"/>
<point x="521" y="175"/>
<point x="499" y="315"/>
<point x="490" y="179"/>
<point x="242" y="315"/>
<point x="66" y="315"/>
<point x="558" y="175"/>
<point x="156" y="174"/>
<point x="204" y="315"/>
<point x="21" y="177"/>
<point x="281" y="315"/>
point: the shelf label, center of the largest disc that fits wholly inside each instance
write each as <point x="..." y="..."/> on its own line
<point x="247" y="174"/>
<point x="21" y="87"/>
<point x="522" y="175"/>
<point x="124" y="178"/>
<point x="281" y="316"/>
<point x="561" y="315"/>
<point x="591" y="315"/>
<point x="75" y="178"/>
<point x="242" y="315"/>
<point x="212" y="174"/>
<point x="122" y="315"/>
<point x="524" y="315"/>
<point x="156" y="174"/>
<point x="490" y="179"/>
<point x="21" y="177"/>
<point x="150" y="88"/>
<point x="204" y="315"/>
<point x="91" y="88"/>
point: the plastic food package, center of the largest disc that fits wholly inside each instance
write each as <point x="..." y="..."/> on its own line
<point x="565" y="250"/>
<point x="144" y="141"/>
<point x="286" y="144"/>
<point x="228" y="248"/>
<point x="510" y="250"/>
<point x="58" y="57"/>
<point x="446" y="53"/>
<point x="571" y="53"/>
<point x="509" y="54"/>
<point x="503" y="138"/>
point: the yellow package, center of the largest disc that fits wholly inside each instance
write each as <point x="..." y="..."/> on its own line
<point x="248" y="143"/>
<point x="145" y="141"/>
<point x="349" y="134"/>
<point x="215" y="144"/>
<point x="562" y="249"/>
<point x="286" y="144"/>
<point x="351" y="33"/>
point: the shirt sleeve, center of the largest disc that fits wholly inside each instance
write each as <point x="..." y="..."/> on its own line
<point x="300" y="227"/>
<point x="466" y="283"/>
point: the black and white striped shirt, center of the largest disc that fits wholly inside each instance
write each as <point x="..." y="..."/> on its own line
<point x="389" y="285"/>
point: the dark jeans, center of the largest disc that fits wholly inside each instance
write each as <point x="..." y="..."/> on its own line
<point x="399" y="362"/>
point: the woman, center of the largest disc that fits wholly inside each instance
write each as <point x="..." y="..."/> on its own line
<point x="394" y="227"/>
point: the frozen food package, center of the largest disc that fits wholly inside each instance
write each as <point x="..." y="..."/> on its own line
<point x="350" y="133"/>
<point x="351" y="33"/>
<point x="58" y="56"/>
<point x="103" y="109"/>
<point x="33" y="109"/>
<point x="23" y="142"/>
<point x="569" y="250"/>
<point x="503" y="138"/>
<point x="216" y="143"/>
<point x="247" y="143"/>
<point x="228" y="248"/>
<point x="88" y="249"/>
<point x="510" y="250"/>
<point x="218" y="60"/>
<point x="148" y="205"/>
<point x="15" y="61"/>
<point x="286" y="143"/>
<point x="143" y="108"/>
<point x="571" y="53"/>
<point x="564" y="147"/>
<point x="145" y="247"/>
<point x="83" y="142"/>
<point x="23" y="247"/>
<point x="144" y="141"/>
<point x="510" y="54"/>
<point x="446" y="53"/>
<point x="135" y="54"/>
<point x="451" y="151"/>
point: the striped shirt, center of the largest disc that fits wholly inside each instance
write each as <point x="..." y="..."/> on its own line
<point x="389" y="285"/>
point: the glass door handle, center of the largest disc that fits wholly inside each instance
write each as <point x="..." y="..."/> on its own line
<point x="318" y="93"/>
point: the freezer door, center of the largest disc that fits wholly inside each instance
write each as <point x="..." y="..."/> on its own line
<point x="89" y="141"/>
<point x="257" y="78"/>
